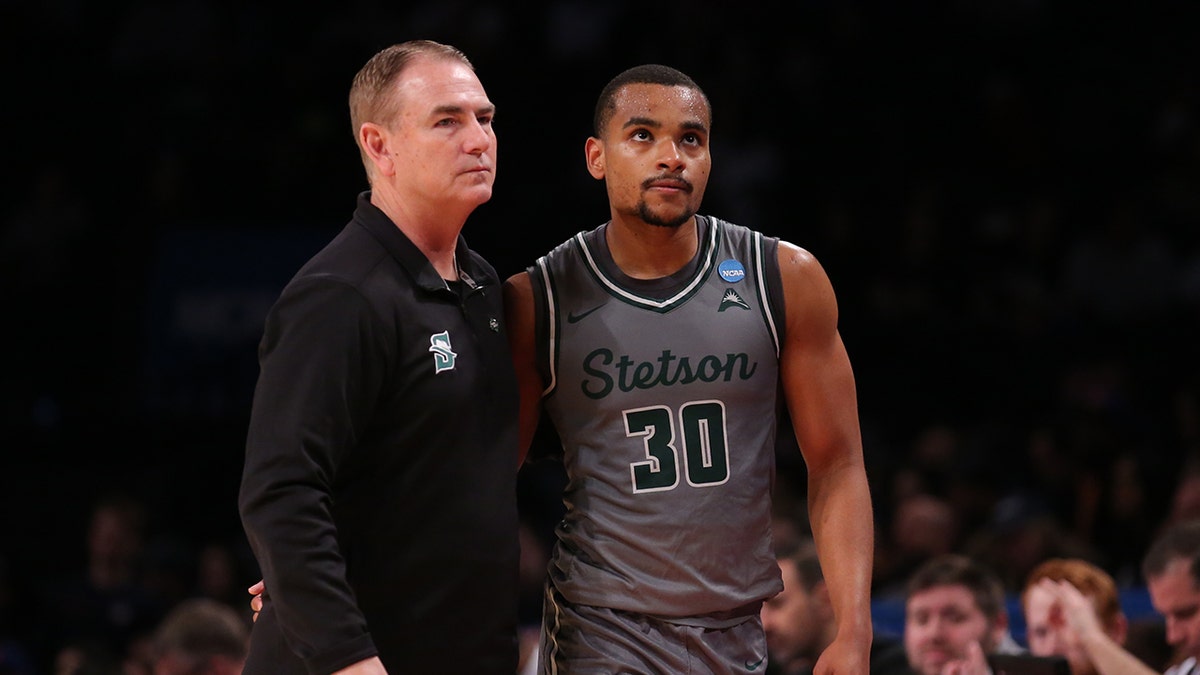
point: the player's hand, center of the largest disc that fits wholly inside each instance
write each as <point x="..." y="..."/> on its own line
<point x="256" y="602"/>
<point x="844" y="657"/>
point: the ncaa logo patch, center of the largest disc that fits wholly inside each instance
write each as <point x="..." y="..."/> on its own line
<point x="732" y="271"/>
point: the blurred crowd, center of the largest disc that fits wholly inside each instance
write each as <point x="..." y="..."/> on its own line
<point x="1006" y="196"/>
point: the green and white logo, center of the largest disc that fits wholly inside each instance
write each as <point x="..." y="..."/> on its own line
<point x="443" y="353"/>
<point x="732" y="299"/>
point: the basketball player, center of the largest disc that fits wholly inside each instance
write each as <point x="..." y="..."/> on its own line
<point x="663" y="344"/>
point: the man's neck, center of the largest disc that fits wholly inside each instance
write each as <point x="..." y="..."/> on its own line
<point x="432" y="230"/>
<point x="645" y="251"/>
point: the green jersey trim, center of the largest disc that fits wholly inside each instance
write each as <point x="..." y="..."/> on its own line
<point x="708" y="257"/>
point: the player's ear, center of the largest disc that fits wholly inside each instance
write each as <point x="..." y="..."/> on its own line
<point x="593" y="152"/>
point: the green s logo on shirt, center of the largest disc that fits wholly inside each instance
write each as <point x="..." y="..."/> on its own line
<point x="443" y="353"/>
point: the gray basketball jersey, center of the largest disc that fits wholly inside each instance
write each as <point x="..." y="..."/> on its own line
<point x="664" y="394"/>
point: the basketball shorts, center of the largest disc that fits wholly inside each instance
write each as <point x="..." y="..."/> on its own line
<point x="586" y="640"/>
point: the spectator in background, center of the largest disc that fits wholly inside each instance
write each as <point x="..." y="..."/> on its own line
<point x="954" y="615"/>
<point x="1023" y="532"/>
<point x="1172" y="572"/>
<point x="799" y="621"/>
<point x="1072" y="609"/>
<point x="201" y="637"/>
<point x="923" y="526"/>
<point x="219" y="577"/>
<point x="103" y="610"/>
<point x="1171" y="568"/>
<point x="84" y="656"/>
<point x="1185" y="498"/>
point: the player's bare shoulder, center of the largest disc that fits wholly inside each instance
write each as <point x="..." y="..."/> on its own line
<point x="799" y="266"/>
<point x="808" y="293"/>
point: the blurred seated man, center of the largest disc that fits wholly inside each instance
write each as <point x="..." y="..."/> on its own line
<point x="1072" y="609"/>
<point x="201" y="637"/>
<point x="954" y="616"/>
<point x="799" y="621"/>
<point x="1171" y="568"/>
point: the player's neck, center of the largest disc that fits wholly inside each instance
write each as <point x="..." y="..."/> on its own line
<point x="645" y="251"/>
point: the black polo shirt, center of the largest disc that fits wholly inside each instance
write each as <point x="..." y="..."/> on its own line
<point x="379" y="489"/>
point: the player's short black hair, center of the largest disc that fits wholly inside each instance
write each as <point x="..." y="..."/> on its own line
<point x="648" y="73"/>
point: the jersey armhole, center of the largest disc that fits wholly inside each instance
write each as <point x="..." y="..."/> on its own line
<point x="773" y="283"/>
<point x="545" y="303"/>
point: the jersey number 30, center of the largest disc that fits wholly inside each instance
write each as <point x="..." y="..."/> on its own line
<point x="705" y="445"/>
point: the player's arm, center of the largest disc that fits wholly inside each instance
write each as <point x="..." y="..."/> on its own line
<point x="522" y="325"/>
<point x="822" y="401"/>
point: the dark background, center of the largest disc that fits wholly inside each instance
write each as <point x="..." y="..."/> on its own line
<point x="1005" y="194"/>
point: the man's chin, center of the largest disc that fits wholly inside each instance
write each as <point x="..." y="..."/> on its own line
<point x="479" y="194"/>
<point x="669" y="218"/>
<point x="932" y="665"/>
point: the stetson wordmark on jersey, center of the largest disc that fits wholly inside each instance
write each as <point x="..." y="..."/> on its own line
<point x="626" y="374"/>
